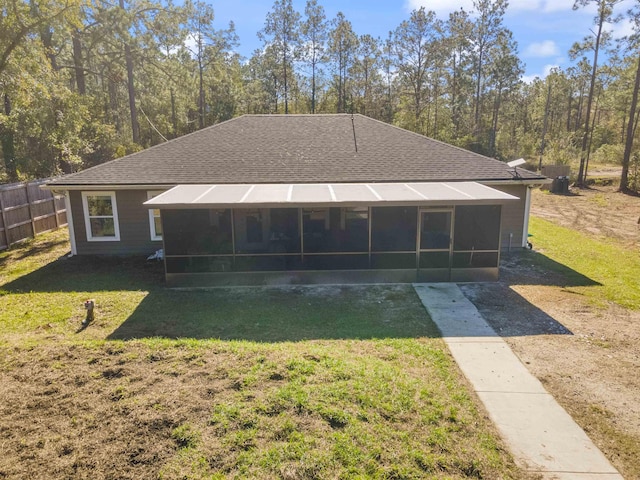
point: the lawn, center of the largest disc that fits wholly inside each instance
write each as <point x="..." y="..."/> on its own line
<point x="610" y="267"/>
<point x="323" y="382"/>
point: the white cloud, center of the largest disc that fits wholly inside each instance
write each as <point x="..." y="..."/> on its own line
<point x="551" y="6"/>
<point x="443" y="7"/>
<point x="526" y="5"/>
<point x="623" y="28"/>
<point x="546" y="70"/>
<point x="546" y="48"/>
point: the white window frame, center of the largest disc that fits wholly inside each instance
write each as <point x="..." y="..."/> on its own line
<point x="152" y="224"/>
<point x="87" y="218"/>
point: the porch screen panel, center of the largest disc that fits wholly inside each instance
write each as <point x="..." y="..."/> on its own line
<point x="394" y="229"/>
<point x="197" y="232"/>
<point x="335" y="238"/>
<point x="335" y="230"/>
<point x="476" y="238"/>
<point x="393" y="237"/>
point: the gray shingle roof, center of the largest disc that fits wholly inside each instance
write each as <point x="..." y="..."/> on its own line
<point x="296" y="149"/>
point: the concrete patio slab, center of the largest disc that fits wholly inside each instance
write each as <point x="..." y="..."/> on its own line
<point x="542" y="436"/>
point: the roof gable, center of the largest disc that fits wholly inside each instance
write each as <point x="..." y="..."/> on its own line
<point x="338" y="148"/>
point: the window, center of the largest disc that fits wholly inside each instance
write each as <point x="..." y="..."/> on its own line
<point x="155" y="225"/>
<point x="101" y="216"/>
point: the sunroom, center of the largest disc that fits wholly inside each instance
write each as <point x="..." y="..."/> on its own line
<point x="253" y="234"/>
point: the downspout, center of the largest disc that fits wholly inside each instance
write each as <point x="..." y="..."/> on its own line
<point x="72" y="233"/>
<point x="527" y="207"/>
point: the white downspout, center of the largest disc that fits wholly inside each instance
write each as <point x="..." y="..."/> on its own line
<point x="527" y="207"/>
<point x="72" y="233"/>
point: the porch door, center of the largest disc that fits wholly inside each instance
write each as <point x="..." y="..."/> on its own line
<point x="435" y="245"/>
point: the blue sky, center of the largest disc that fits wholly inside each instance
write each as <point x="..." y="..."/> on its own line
<point x="544" y="29"/>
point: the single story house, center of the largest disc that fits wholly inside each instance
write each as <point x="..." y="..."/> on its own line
<point x="267" y="199"/>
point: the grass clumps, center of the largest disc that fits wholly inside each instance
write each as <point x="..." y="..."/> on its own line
<point x="297" y="383"/>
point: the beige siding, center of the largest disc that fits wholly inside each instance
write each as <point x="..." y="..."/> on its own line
<point x="513" y="215"/>
<point x="133" y="218"/>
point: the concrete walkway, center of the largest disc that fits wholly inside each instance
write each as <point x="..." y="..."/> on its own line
<point x="543" y="438"/>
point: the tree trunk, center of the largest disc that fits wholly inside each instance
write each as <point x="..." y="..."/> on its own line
<point x="201" y="94"/>
<point x="135" y="125"/>
<point x="46" y="36"/>
<point x="569" y="112"/>
<point x="174" y="119"/>
<point x="8" y="145"/>
<point x="286" y="86"/>
<point x="579" y="109"/>
<point x="544" y="125"/>
<point x="313" y="87"/>
<point x="628" y="145"/>
<point x="476" y="120"/>
<point x="113" y="103"/>
<point x="585" y="137"/>
<point x="77" y="64"/>
<point x="494" y="123"/>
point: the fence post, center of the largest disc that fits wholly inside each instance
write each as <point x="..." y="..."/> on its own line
<point x="4" y="222"/>
<point x="33" y="222"/>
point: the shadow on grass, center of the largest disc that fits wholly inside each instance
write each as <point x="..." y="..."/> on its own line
<point x="524" y="267"/>
<point x="88" y="274"/>
<point x="296" y="313"/>
<point x="30" y="248"/>
<point x="277" y="314"/>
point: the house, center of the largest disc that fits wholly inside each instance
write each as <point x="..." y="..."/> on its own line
<point x="263" y="199"/>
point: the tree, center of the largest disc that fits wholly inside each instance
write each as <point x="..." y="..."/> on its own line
<point x="20" y="22"/>
<point x="342" y="49"/>
<point x="313" y="39"/>
<point x="281" y="33"/>
<point x="459" y="29"/>
<point x="632" y="120"/>
<point x="504" y="72"/>
<point x="210" y="44"/>
<point x="485" y="34"/>
<point x="415" y="42"/>
<point x="605" y="12"/>
<point x="365" y="74"/>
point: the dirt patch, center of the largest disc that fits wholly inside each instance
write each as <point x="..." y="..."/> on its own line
<point x="598" y="210"/>
<point x="587" y="356"/>
<point x="187" y="409"/>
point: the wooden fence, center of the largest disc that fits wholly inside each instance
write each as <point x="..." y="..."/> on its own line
<point x="27" y="210"/>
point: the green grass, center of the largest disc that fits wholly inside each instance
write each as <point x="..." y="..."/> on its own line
<point x="612" y="269"/>
<point x="325" y="382"/>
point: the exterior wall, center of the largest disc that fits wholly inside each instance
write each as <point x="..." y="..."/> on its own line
<point x="135" y="236"/>
<point x="513" y="215"/>
<point x="133" y="219"/>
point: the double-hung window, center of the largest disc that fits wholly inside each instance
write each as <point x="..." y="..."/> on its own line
<point x="155" y="225"/>
<point x="101" y="216"/>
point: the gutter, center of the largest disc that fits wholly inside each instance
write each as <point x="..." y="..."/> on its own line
<point x="518" y="181"/>
<point x="62" y="188"/>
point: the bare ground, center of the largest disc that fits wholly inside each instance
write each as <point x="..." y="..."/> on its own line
<point x="587" y="356"/>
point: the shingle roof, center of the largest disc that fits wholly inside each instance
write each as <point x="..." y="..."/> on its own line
<point x="296" y="149"/>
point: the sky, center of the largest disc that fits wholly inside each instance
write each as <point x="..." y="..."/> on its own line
<point x="544" y="29"/>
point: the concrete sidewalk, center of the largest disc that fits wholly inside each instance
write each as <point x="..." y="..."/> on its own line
<point x="541" y="435"/>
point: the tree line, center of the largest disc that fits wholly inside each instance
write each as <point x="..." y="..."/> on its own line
<point x="85" y="81"/>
